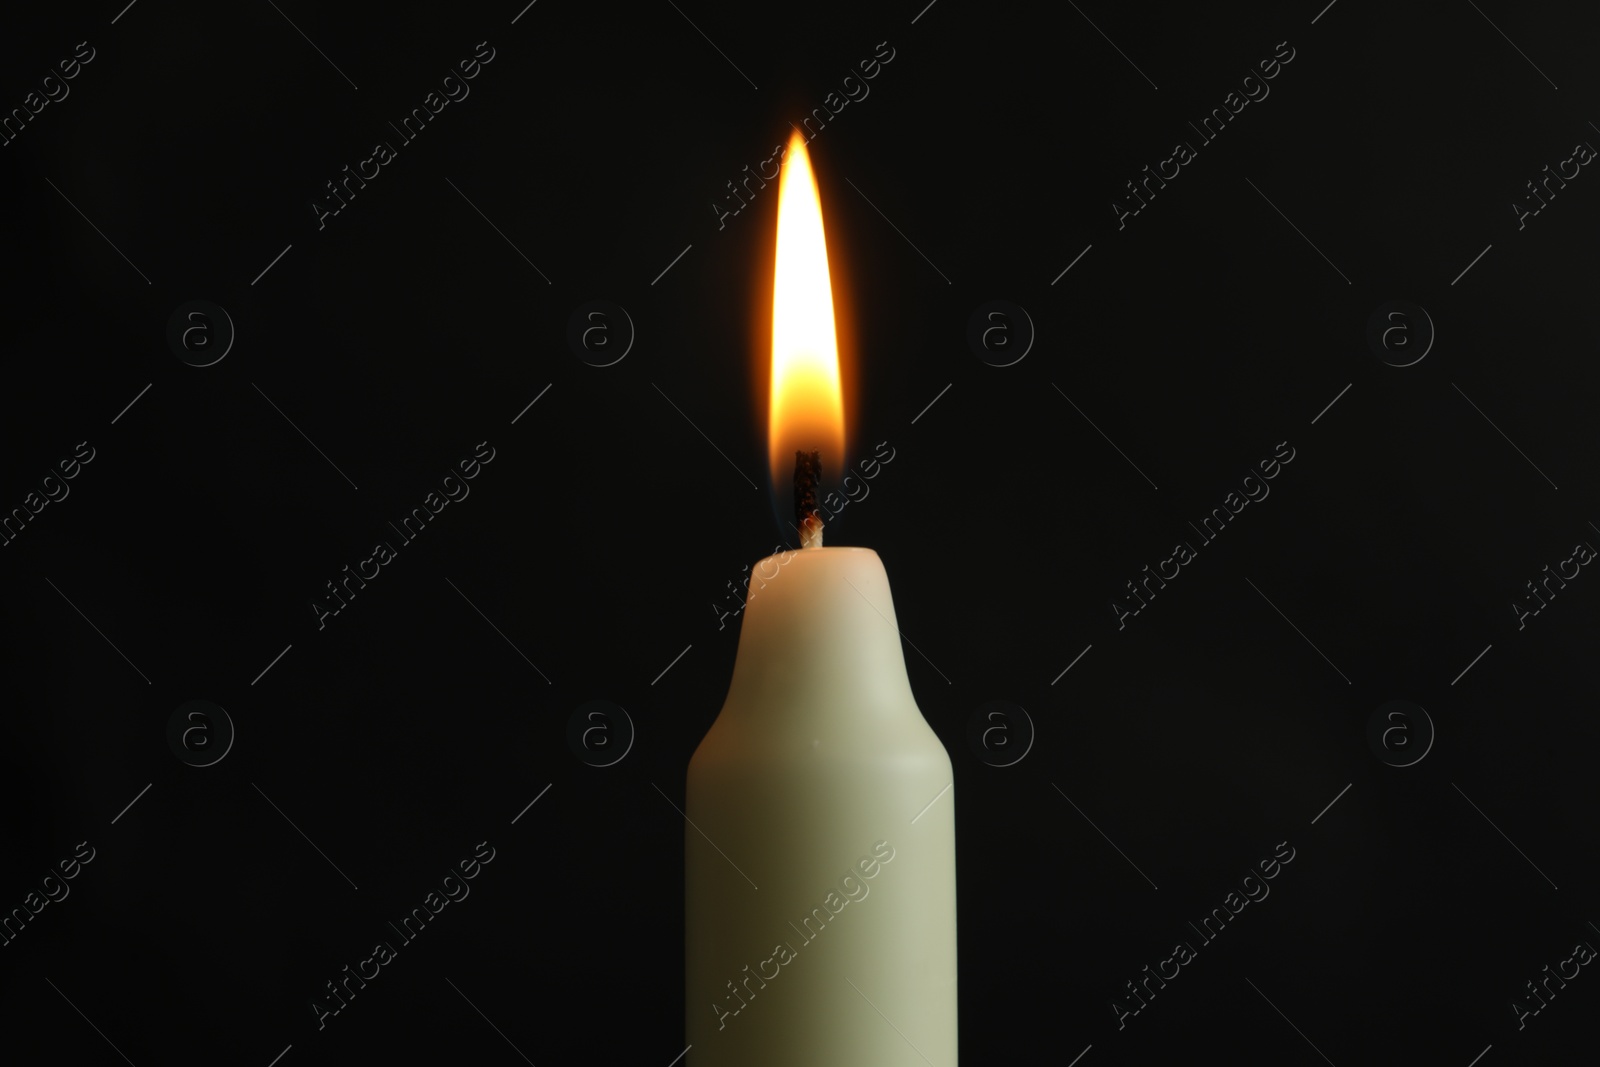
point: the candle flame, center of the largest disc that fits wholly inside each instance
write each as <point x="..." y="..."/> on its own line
<point x="806" y="409"/>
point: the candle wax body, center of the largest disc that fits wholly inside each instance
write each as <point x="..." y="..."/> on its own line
<point x="820" y="857"/>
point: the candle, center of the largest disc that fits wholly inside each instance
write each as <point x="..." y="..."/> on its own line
<point x="820" y="847"/>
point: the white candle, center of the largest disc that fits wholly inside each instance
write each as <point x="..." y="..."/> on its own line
<point x="820" y="898"/>
<point x="799" y="953"/>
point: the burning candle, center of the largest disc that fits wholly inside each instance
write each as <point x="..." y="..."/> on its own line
<point x="819" y="880"/>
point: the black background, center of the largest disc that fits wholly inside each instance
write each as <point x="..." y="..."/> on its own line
<point x="596" y="545"/>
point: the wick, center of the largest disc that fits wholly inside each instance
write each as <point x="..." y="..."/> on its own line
<point x="807" y="476"/>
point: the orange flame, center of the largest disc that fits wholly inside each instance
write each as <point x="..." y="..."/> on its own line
<point x="806" y="408"/>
